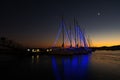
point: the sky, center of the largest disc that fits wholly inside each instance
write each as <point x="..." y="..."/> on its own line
<point x="36" y="23"/>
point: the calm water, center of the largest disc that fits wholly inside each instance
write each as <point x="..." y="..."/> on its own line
<point x="100" y="65"/>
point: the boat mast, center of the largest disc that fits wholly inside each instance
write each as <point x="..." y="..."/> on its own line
<point x="75" y="31"/>
<point x="77" y="34"/>
<point x="63" y="32"/>
<point x="70" y="38"/>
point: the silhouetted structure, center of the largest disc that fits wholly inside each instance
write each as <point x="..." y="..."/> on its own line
<point x="116" y="47"/>
<point x="10" y="46"/>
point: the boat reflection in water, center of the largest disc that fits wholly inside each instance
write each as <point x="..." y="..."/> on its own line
<point x="73" y="68"/>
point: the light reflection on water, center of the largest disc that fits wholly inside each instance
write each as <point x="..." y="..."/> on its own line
<point x="55" y="69"/>
<point x="100" y="65"/>
<point x="75" y="68"/>
<point x="35" y="59"/>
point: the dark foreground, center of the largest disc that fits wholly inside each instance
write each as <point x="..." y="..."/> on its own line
<point x="100" y="65"/>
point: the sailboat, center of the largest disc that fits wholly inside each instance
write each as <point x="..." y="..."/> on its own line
<point x="81" y="43"/>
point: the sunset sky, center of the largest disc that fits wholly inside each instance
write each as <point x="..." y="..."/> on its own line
<point x="36" y="23"/>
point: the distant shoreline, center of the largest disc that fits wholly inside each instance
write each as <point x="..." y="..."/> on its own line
<point x="117" y="47"/>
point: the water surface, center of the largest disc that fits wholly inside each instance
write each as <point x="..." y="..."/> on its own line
<point x="100" y="65"/>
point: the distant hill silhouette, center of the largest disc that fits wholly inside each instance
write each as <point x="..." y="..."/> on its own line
<point x="115" y="47"/>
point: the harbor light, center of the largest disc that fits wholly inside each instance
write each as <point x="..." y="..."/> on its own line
<point x="47" y="50"/>
<point x="50" y="49"/>
<point x="33" y="50"/>
<point x="37" y="50"/>
<point x="28" y="50"/>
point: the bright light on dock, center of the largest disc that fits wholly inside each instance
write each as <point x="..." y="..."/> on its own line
<point x="47" y="50"/>
<point x="50" y="49"/>
<point x="28" y="49"/>
<point x="35" y="50"/>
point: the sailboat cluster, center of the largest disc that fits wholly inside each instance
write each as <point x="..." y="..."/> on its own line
<point x="78" y="42"/>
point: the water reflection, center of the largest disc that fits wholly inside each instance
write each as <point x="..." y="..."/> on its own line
<point x="73" y="68"/>
<point x="55" y="69"/>
<point x="35" y="59"/>
<point x="104" y="65"/>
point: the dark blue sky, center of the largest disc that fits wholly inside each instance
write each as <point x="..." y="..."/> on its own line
<point x="36" y="23"/>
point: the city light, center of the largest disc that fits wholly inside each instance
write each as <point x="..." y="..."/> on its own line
<point x="28" y="49"/>
<point x="35" y="50"/>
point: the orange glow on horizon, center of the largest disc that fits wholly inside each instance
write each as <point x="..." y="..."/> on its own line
<point x="105" y="43"/>
<point x="96" y="42"/>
